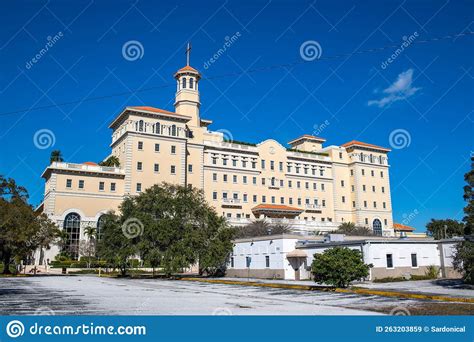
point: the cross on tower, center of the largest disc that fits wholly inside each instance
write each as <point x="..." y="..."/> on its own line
<point x="188" y="53"/>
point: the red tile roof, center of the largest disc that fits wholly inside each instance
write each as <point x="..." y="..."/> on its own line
<point x="153" y="109"/>
<point x="188" y="68"/>
<point x="363" y="144"/>
<point x="402" y="227"/>
<point x="90" y="163"/>
<point x="275" y="207"/>
<point x="307" y="137"/>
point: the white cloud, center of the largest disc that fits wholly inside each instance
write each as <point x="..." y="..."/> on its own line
<point x="401" y="89"/>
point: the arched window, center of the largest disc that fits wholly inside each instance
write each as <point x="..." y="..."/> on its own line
<point x="140" y="126"/>
<point x="157" y="128"/>
<point x="100" y="226"/>
<point x="191" y="83"/>
<point x="72" y="226"/>
<point x="377" y="227"/>
<point x="184" y="82"/>
<point x="173" y="130"/>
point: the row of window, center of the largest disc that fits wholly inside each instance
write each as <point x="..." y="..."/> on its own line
<point x="384" y="204"/>
<point x="372" y="173"/>
<point x="248" y="261"/>
<point x="273" y="199"/>
<point x="81" y="184"/>
<point x="272" y="181"/>
<point x="157" y="147"/>
<point x="414" y="260"/>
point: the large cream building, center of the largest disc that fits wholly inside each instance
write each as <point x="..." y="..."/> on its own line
<point x="307" y="185"/>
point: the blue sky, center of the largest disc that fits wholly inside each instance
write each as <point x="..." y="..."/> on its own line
<point x="262" y="86"/>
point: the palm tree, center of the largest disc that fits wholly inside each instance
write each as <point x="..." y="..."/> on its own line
<point x="90" y="245"/>
<point x="110" y="161"/>
<point x="56" y="156"/>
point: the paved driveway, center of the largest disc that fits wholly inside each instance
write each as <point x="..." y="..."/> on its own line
<point x="80" y="295"/>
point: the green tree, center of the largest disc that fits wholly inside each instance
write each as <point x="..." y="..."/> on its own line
<point x="469" y="198"/>
<point x="110" y="161"/>
<point x="349" y="228"/>
<point x="170" y="226"/>
<point x="47" y="235"/>
<point x="56" y="156"/>
<point x="88" y="247"/>
<point x="444" y="229"/>
<point x="463" y="260"/>
<point x="21" y="230"/>
<point x="339" y="266"/>
<point x="261" y="228"/>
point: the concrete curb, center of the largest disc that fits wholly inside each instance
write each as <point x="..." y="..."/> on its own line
<point x="331" y="289"/>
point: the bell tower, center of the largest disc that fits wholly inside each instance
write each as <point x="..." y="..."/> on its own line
<point x="187" y="101"/>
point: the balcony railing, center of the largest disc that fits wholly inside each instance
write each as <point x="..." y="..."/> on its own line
<point x="86" y="167"/>
<point x="231" y="200"/>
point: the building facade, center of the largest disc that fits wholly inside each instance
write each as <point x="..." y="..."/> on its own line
<point x="307" y="185"/>
<point x="290" y="256"/>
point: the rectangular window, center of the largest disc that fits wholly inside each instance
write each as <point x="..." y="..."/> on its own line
<point x="282" y="200"/>
<point x="353" y="204"/>
<point x="414" y="262"/>
<point x="81" y="184"/>
<point x="112" y="186"/>
<point x="324" y="203"/>
<point x="235" y="195"/>
<point x="372" y="173"/>
<point x="289" y="184"/>
<point x="173" y="149"/>
<point x="224" y="177"/>
<point x="254" y="180"/>
<point x="375" y="204"/>
<point x="248" y="261"/>
<point x="245" y="197"/>
<point x="139" y="187"/>
<point x="281" y="166"/>
<point x="384" y="205"/>
<point x="101" y="186"/>
<point x="234" y="178"/>
<point x="306" y="185"/>
<point x="373" y="188"/>
<point x="352" y="188"/>
<point x="156" y="167"/>
<point x="214" y="177"/>
<point x="298" y="184"/>
<point x="381" y="174"/>
<point x="214" y="161"/>
<point x="224" y="195"/>
<point x="365" y="204"/>
<point x="383" y="189"/>
<point x="267" y="261"/>
<point x="68" y="183"/>
<point x="173" y="169"/>
<point x="352" y="172"/>
<point x="264" y="199"/>
<point x="254" y="198"/>
<point x="232" y="262"/>
<point x="363" y="172"/>
<point x="263" y="181"/>
<point x="363" y="188"/>
<point x="322" y="187"/>
<point x="290" y="200"/>
<point x="157" y="147"/>
<point x="190" y="168"/>
<point x="254" y="165"/>
<point x="342" y="183"/>
<point x="139" y="166"/>
<point x="272" y="165"/>
<point x="234" y="162"/>
<point x="214" y="195"/>
<point x="389" y="261"/>
<point x="140" y="145"/>
<point x="273" y="199"/>
<point x="224" y="162"/>
<point x="343" y="199"/>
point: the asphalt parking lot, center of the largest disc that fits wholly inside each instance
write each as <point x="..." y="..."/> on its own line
<point x="90" y="295"/>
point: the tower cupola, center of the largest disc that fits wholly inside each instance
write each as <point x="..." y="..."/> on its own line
<point x="187" y="101"/>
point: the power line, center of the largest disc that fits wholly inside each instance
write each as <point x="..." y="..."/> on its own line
<point x="254" y="70"/>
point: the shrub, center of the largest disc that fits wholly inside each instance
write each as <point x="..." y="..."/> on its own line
<point x="339" y="266"/>
<point x="464" y="260"/>
<point x="389" y="279"/>
<point x="432" y="272"/>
